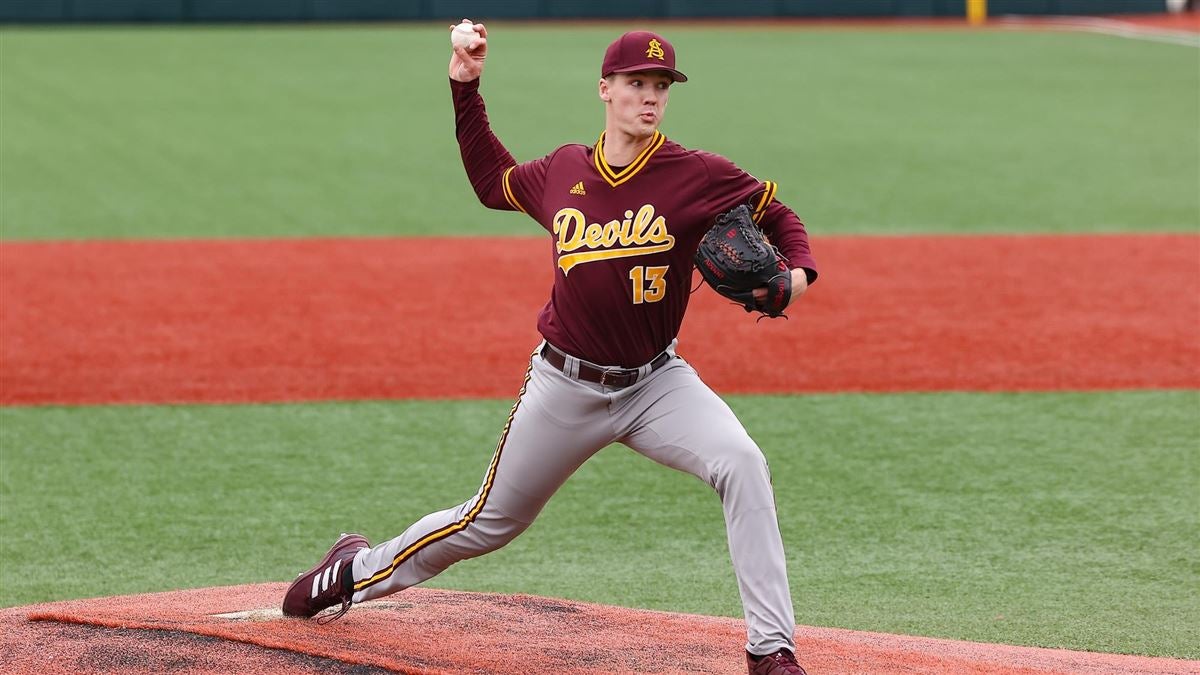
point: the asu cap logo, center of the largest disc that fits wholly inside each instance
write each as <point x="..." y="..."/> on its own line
<point x="654" y="50"/>
<point x="640" y="50"/>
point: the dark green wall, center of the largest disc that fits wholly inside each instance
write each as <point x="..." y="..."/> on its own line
<point x="369" y="10"/>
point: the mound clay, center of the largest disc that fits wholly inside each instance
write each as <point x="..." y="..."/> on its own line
<point x="240" y="629"/>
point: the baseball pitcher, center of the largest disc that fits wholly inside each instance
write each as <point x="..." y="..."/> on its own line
<point x="625" y="217"/>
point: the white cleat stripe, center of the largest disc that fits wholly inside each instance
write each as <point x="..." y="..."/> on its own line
<point x="316" y="586"/>
<point x="337" y="566"/>
<point x="325" y="578"/>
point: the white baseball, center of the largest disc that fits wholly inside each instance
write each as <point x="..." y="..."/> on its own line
<point x="463" y="34"/>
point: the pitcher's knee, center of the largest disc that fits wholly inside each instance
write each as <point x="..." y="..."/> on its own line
<point x="498" y="540"/>
<point x="740" y="463"/>
<point x="492" y="530"/>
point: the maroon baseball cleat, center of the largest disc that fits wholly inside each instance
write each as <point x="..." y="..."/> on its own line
<point x="781" y="662"/>
<point x="323" y="586"/>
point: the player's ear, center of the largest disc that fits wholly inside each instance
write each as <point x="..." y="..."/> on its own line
<point x="604" y="94"/>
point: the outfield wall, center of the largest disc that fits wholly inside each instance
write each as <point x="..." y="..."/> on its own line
<point x="401" y="10"/>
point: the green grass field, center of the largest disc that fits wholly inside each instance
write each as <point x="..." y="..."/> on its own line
<point x="348" y="131"/>
<point x="1047" y="519"/>
<point x="1043" y="519"/>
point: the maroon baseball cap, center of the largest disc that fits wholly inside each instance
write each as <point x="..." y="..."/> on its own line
<point x="640" y="50"/>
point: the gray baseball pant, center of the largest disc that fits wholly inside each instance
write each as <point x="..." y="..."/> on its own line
<point x="558" y="422"/>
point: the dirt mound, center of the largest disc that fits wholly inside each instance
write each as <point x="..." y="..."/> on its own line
<point x="240" y="629"/>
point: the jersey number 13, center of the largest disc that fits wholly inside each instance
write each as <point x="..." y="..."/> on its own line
<point x="648" y="283"/>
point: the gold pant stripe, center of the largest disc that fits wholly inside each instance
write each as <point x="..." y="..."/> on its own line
<point x="466" y="520"/>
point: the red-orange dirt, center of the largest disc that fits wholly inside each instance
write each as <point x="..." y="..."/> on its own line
<point x="241" y="321"/>
<point x="432" y="631"/>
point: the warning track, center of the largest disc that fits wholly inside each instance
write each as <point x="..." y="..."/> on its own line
<point x="240" y="629"/>
<point x="350" y="319"/>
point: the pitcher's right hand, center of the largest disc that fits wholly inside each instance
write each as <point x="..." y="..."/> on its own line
<point x="466" y="64"/>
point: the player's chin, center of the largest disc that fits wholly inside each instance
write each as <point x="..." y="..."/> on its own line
<point x="646" y="126"/>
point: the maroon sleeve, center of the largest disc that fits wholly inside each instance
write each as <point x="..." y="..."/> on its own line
<point x="499" y="182"/>
<point x="729" y="186"/>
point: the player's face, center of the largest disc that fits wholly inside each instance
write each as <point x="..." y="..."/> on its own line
<point x="636" y="101"/>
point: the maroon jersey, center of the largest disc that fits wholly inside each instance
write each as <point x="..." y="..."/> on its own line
<point x="622" y="239"/>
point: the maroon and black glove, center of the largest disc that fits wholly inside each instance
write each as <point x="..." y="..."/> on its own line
<point x="735" y="258"/>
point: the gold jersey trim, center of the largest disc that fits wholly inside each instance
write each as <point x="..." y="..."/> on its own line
<point x="764" y="201"/>
<point x="614" y="179"/>
<point x="508" y="191"/>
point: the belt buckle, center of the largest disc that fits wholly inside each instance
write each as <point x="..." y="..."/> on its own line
<point x="605" y="374"/>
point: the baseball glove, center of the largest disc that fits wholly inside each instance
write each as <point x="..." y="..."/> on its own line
<point x="735" y="258"/>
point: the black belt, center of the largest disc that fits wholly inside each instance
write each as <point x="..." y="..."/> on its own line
<point x="609" y="377"/>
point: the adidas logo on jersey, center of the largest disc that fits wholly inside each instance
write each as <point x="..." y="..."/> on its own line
<point x="578" y="189"/>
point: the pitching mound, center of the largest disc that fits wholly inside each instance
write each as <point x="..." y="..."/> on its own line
<point x="240" y="629"/>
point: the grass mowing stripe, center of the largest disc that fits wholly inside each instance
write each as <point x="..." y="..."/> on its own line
<point x="1043" y="519"/>
<point x="349" y="131"/>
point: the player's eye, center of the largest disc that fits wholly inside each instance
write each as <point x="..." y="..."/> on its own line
<point x="635" y="83"/>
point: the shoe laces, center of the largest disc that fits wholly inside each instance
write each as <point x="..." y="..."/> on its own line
<point x="330" y="617"/>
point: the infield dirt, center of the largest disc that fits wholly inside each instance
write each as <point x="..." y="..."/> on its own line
<point x="295" y="320"/>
